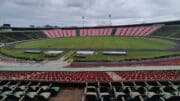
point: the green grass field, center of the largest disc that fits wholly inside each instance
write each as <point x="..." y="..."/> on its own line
<point x="20" y="54"/>
<point x="100" y="43"/>
<point x="130" y="55"/>
<point x="97" y="43"/>
<point x="97" y="57"/>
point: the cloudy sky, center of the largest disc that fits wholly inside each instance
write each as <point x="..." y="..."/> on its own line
<point x="70" y="12"/>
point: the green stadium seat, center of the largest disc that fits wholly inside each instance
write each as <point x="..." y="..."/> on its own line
<point x="54" y="90"/>
<point x="44" y="96"/>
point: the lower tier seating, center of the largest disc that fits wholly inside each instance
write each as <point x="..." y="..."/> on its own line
<point x="133" y="91"/>
<point x="81" y="77"/>
<point x="27" y="91"/>
<point x="147" y="75"/>
<point x="110" y="91"/>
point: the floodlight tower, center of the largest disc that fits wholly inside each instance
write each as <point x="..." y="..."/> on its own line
<point x="83" y="23"/>
<point x="110" y="23"/>
<point x="83" y="20"/>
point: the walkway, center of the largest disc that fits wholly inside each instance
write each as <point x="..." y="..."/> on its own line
<point x="114" y="76"/>
<point x="104" y="69"/>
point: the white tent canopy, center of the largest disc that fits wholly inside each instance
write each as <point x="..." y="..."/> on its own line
<point x="53" y="53"/>
<point x="85" y="52"/>
<point x="114" y="53"/>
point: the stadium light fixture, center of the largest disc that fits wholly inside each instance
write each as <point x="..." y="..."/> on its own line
<point x="110" y="19"/>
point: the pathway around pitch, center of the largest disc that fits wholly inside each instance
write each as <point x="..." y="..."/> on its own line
<point x="61" y="62"/>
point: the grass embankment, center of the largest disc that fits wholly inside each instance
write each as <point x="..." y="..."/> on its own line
<point x="21" y="55"/>
<point x="130" y="55"/>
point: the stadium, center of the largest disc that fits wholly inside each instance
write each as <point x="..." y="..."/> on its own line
<point x="132" y="62"/>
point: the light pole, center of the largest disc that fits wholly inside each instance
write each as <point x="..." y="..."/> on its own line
<point x="110" y="19"/>
<point x="83" y="23"/>
<point x="83" y="20"/>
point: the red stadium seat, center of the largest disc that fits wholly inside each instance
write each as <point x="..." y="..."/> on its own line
<point x="81" y="77"/>
<point x="60" y="33"/>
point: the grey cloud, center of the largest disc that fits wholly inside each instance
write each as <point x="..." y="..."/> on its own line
<point x="80" y="3"/>
<point x="70" y="12"/>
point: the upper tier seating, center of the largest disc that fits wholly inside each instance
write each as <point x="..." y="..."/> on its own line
<point x="137" y="31"/>
<point x="81" y="77"/>
<point x="96" y="32"/>
<point x="56" y="33"/>
<point x="144" y="30"/>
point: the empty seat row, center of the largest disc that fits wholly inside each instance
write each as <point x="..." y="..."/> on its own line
<point x="133" y="91"/>
<point x="56" y="33"/>
<point x="72" y="76"/>
<point x="96" y="32"/>
<point x="27" y="91"/>
<point x="147" y="75"/>
<point x="119" y="31"/>
<point x="137" y="31"/>
<point x="90" y="76"/>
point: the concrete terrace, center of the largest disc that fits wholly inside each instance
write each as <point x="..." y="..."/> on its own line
<point x="103" y="69"/>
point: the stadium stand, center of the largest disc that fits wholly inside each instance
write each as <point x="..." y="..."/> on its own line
<point x="96" y="32"/>
<point x="110" y="91"/>
<point x="72" y="76"/>
<point x="100" y="86"/>
<point x="132" y="91"/>
<point x="144" y="30"/>
<point x="20" y="36"/>
<point x="27" y="91"/>
<point x="168" y="31"/>
<point x="56" y="33"/>
<point x="147" y="75"/>
<point x="82" y="77"/>
<point x="137" y="30"/>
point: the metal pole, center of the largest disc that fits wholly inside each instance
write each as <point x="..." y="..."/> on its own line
<point x="110" y="20"/>
<point x="83" y="23"/>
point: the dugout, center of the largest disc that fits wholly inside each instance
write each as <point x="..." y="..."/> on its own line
<point x="53" y="53"/>
<point x="33" y="51"/>
<point x="120" y="53"/>
<point x="83" y="54"/>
